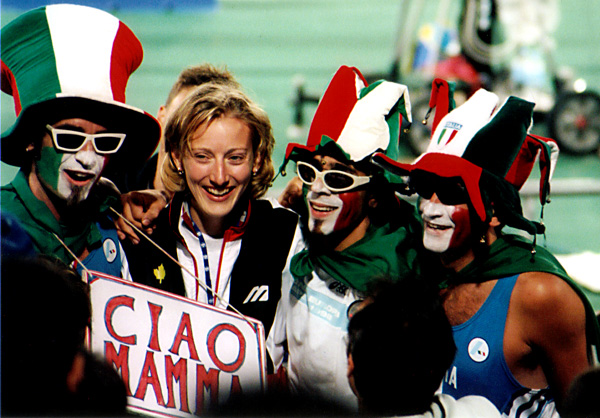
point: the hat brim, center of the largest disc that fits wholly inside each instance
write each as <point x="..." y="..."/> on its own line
<point x="449" y="166"/>
<point x="327" y="146"/>
<point x="299" y="152"/>
<point x="393" y="166"/>
<point x="142" y="129"/>
<point x="295" y="151"/>
<point x="473" y="176"/>
<point x="443" y="165"/>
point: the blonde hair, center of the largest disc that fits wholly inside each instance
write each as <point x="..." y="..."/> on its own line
<point x="201" y="107"/>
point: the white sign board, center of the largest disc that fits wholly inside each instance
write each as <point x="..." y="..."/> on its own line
<point x="176" y="356"/>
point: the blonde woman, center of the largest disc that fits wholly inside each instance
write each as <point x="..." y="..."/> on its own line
<point x="219" y="146"/>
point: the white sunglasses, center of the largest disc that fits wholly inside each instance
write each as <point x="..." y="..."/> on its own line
<point x="72" y="141"/>
<point x="335" y="180"/>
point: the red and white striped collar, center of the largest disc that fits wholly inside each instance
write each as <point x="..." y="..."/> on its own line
<point x="231" y="233"/>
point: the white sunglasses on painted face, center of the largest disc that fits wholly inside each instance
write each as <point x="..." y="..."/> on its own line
<point x="72" y="141"/>
<point x="335" y="180"/>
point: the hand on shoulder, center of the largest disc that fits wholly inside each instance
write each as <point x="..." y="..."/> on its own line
<point x="141" y="208"/>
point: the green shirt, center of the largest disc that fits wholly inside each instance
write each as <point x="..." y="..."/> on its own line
<point x="36" y="218"/>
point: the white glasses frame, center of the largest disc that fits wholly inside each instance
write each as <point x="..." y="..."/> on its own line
<point x="88" y="137"/>
<point x="357" y="180"/>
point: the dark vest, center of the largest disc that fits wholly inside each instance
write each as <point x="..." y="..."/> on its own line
<point x="265" y="247"/>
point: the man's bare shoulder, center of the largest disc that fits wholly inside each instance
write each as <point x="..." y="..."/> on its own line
<point x="539" y="288"/>
<point x="545" y="298"/>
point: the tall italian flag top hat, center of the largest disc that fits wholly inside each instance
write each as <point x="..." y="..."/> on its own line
<point x="69" y="61"/>
<point x="354" y="120"/>
<point x="489" y="148"/>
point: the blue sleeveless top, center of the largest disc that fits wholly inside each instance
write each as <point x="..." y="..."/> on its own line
<point x="480" y="368"/>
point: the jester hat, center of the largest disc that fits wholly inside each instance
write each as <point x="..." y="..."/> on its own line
<point x="354" y="120"/>
<point x="68" y="61"/>
<point x="490" y="150"/>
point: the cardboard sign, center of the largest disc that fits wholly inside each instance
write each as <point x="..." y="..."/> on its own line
<point x="176" y="356"/>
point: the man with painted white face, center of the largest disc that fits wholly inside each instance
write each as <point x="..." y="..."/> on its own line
<point x="522" y="328"/>
<point x="354" y="232"/>
<point x="67" y="67"/>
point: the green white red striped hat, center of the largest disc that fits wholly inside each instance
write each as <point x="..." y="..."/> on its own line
<point x="69" y="61"/>
<point x="481" y="144"/>
<point x="355" y="120"/>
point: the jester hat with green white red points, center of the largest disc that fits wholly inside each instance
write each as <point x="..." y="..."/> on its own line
<point x="68" y="61"/>
<point x="354" y="120"/>
<point x="490" y="150"/>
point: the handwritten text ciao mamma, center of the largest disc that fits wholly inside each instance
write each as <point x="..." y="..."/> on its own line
<point x="176" y="357"/>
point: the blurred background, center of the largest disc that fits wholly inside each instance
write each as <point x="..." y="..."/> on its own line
<point x="284" y="52"/>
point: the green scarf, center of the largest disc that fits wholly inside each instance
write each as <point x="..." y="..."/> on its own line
<point x="78" y="232"/>
<point x="510" y="255"/>
<point x="384" y="251"/>
<point x="507" y="256"/>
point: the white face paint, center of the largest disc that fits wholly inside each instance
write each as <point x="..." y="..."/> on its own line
<point x="445" y="226"/>
<point x="70" y="176"/>
<point x="324" y="208"/>
<point x="78" y="173"/>
<point x="330" y="212"/>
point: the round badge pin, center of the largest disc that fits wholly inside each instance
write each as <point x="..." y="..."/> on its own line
<point x="110" y="250"/>
<point x="478" y="350"/>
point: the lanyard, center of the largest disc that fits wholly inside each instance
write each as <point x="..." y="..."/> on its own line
<point x="209" y="294"/>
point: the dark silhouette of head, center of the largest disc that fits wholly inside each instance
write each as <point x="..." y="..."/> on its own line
<point x="399" y="347"/>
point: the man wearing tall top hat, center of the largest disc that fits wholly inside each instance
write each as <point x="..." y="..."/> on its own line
<point x="354" y="232"/>
<point x="522" y="328"/>
<point x="67" y="67"/>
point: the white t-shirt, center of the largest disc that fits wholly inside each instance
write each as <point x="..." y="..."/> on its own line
<point x="315" y="314"/>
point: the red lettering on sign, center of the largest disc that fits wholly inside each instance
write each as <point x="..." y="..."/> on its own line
<point x="111" y="307"/>
<point x="184" y="333"/>
<point x="177" y="372"/>
<point x="155" y="311"/>
<point x="119" y="361"/>
<point x="149" y="376"/>
<point x="208" y="380"/>
<point x="212" y="340"/>
<point x="236" y="388"/>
